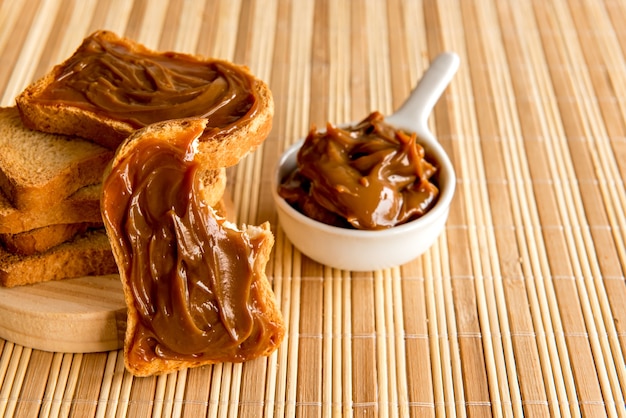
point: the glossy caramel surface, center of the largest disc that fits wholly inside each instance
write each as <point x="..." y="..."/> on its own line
<point x="129" y="83"/>
<point x="366" y="176"/>
<point x="192" y="279"/>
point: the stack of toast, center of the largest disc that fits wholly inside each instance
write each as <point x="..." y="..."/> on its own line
<point x="50" y="222"/>
<point x="54" y="188"/>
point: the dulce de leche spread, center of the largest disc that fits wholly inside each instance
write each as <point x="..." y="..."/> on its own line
<point x="192" y="279"/>
<point x="124" y="81"/>
<point x="368" y="176"/>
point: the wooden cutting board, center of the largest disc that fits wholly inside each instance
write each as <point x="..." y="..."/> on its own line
<point x="80" y="315"/>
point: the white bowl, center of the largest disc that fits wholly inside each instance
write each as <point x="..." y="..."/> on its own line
<point x="366" y="250"/>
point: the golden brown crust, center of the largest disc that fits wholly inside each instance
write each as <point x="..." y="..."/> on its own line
<point x="69" y="120"/>
<point x="224" y="148"/>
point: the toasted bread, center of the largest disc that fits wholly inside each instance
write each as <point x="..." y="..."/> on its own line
<point x="82" y="206"/>
<point x="227" y="144"/>
<point x="38" y="169"/>
<point x="42" y="239"/>
<point x="267" y="322"/>
<point x="86" y="255"/>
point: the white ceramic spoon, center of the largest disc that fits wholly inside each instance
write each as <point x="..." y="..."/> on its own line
<point x="361" y="250"/>
<point x="414" y="112"/>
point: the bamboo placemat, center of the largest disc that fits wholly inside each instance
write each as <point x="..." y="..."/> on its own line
<point x="518" y="309"/>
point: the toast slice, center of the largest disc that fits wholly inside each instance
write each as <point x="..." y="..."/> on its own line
<point x="196" y="290"/>
<point x="82" y="206"/>
<point x="145" y="87"/>
<point x="39" y="169"/>
<point x="42" y="239"/>
<point x="86" y="255"/>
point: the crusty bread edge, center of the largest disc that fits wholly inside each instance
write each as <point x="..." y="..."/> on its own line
<point x="60" y="119"/>
<point x="226" y="149"/>
<point x="212" y="190"/>
<point x="160" y="130"/>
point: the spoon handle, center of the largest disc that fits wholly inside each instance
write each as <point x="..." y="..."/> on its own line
<point x="423" y="98"/>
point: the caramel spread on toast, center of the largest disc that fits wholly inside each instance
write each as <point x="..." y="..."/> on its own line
<point x="140" y="87"/>
<point x="367" y="176"/>
<point x="194" y="281"/>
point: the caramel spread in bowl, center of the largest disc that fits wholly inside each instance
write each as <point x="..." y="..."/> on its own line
<point x="141" y="87"/>
<point x="193" y="279"/>
<point x="367" y="176"/>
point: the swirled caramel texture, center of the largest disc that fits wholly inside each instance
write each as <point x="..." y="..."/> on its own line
<point x="367" y="176"/>
<point x="194" y="281"/>
<point x="129" y="83"/>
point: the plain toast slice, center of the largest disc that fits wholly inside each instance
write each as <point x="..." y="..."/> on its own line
<point x="82" y="206"/>
<point x="42" y="239"/>
<point x="39" y="169"/>
<point x="86" y="255"/>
